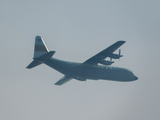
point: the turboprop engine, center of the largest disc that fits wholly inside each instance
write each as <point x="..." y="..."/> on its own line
<point x="106" y="62"/>
<point x="116" y="56"/>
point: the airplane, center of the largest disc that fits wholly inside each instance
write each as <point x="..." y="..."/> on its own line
<point x="89" y="69"/>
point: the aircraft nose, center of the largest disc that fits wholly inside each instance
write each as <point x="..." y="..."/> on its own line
<point x="135" y="78"/>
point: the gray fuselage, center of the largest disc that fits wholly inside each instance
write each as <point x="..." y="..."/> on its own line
<point x="82" y="72"/>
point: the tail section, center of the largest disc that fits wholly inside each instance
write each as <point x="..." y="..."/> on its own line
<point x="40" y="47"/>
<point x="41" y="53"/>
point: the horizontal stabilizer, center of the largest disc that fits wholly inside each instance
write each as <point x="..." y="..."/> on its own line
<point x="40" y="60"/>
<point x="34" y="63"/>
<point x="45" y="56"/>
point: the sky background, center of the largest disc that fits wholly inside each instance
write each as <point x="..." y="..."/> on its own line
<point x="77" y="30"/>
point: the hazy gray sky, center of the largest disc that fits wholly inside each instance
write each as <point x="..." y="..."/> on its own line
<point x="77" y="30"/>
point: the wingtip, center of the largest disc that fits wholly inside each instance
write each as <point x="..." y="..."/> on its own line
<point x="57" y="84"/>
<point x="122" y="41"/>
<point x="27" y="67"/>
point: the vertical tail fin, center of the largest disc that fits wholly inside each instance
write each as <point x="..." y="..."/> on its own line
<point x="40" y="47"/>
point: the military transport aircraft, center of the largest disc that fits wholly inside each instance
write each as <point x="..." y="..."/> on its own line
<point x="89" y="69"/>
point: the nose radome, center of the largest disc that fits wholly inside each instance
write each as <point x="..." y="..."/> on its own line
<point x="135" y="78"/>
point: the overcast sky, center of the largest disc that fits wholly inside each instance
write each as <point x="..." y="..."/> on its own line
<point x="77" y="30"/>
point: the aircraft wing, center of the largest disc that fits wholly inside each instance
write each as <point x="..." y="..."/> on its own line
<point x="63" y="80"/>
<point x="104" y="53"/>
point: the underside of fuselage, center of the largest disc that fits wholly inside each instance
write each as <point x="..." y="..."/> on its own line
<point x="83" y="72"/>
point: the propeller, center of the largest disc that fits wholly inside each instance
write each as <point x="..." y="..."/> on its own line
<point x="110" y="59"/>
<point x="120" y="53"/>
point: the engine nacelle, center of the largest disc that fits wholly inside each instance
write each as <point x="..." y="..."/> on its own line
<point x="106" y="62"/>
<point x="79" y="78"/>
<point x="115" y="56"/>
